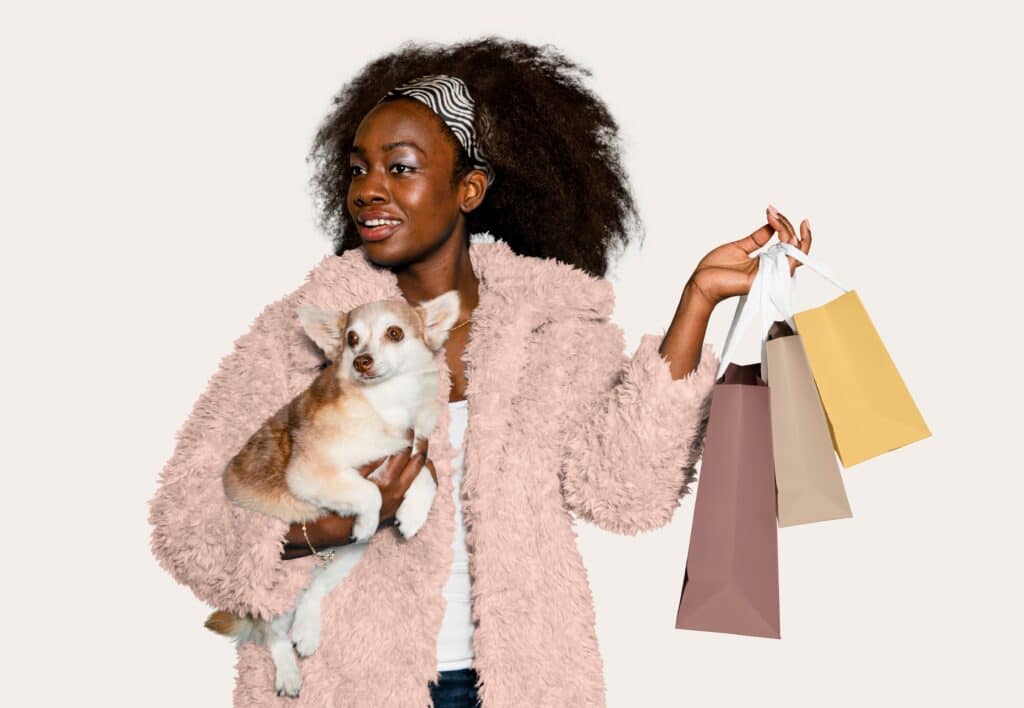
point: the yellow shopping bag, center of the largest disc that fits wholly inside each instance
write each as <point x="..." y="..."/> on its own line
<point x="869" y="409"/>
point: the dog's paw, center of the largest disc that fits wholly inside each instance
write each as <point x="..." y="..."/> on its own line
<point x="365" y="526"/>
<point x="305" y="633"/>
<point x="415" y="508"/>
<point x="288" y="681"/>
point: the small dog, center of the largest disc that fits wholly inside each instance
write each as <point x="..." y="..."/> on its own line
<point x="381" y="381"/>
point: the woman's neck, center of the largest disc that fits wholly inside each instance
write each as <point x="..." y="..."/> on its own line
<point x="448" y="267"/>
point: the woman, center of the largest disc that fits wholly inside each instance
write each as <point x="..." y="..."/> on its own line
<point x="427" y="151"/>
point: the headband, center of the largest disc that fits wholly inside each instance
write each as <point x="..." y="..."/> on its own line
<point x="448" y="97"/>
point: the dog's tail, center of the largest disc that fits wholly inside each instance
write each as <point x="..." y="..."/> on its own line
<point x="241" y="629"/>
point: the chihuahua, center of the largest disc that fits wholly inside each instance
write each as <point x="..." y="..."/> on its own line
<point x="380" y="382"/>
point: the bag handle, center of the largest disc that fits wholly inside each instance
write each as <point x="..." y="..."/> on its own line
<point x="772" y="292"/>
<point x="811" y="262"/>
<point x="757" y="296"/>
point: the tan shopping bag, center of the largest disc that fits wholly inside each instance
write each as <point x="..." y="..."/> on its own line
<point x="807" y="475"/>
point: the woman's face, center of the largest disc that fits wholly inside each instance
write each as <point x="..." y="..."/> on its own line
<point x="401" y="168"/>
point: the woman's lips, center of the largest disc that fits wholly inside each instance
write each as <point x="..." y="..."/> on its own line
<point x="377" y="233"/>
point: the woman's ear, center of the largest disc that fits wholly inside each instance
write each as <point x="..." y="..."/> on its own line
<point x="472" y="190"/>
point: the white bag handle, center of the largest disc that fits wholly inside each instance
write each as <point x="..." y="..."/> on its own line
<point x="772" y="291"/>
<point x="757" y="297"/>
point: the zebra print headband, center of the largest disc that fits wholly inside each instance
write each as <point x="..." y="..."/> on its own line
<point x="448" y="97"/>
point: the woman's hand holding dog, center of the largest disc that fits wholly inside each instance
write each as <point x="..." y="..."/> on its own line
<point x="402" y="469"/>
<point x="334" y="530"/>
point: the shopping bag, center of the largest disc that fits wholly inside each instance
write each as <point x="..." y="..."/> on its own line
<point x="867" y="404"/>
<point x="807" y="475"/>
<point x="731" y="581"/>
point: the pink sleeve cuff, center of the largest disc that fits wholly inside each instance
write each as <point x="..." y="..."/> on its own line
<point x="627" y="470"/>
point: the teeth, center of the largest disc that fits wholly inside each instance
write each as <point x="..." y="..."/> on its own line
<point x="381" y="222"/>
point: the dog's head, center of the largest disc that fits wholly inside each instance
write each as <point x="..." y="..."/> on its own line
<point x="382" y="339"/>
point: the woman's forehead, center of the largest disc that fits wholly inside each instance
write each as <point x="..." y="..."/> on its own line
<point x="399" y="122"/>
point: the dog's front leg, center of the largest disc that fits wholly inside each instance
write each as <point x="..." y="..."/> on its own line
<point x="288" y="676"/>
<point x="363" y="498"/>
<point x="416" y="504"/>
<point x="346" y="493"/>
<point x="305" y="629"/>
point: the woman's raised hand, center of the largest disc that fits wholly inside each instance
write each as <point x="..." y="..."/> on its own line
<point x="728" y="270"/>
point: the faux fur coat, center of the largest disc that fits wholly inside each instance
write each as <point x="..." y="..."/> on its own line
<point x="561" y="422"/>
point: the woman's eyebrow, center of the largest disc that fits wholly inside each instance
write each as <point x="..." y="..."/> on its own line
<point x="356" y="149"/>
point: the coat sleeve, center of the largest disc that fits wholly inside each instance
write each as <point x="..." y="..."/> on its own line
<point x="227" y="555"/>
<point x="634" y="433"/>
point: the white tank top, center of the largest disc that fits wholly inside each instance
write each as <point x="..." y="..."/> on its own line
<point x="455" y="640"/>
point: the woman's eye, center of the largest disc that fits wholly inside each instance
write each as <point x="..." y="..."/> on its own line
<point x="354" y="169"/>
<point x="404" y="168"/>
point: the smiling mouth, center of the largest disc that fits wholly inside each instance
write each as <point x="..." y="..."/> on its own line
<point x="377" y="230"/>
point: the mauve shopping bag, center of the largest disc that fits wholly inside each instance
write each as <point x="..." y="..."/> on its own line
<point x="731" y="582"/>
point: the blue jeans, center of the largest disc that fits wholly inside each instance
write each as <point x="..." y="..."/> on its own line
<point x="456" y="690"/>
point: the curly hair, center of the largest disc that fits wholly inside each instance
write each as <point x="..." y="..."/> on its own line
<point x="560" y="189"/>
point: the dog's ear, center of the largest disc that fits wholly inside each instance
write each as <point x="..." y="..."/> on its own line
<point x="325" y="327"/>
<point x="438" y="316"/>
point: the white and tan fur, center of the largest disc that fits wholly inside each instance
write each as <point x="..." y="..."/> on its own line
<point x="381" y="382"/>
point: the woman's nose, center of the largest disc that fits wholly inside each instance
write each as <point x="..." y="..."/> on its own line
<point x="371" y="188"/>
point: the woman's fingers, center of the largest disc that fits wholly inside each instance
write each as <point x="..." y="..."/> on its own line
<point x="395" y="464"/>
<point x="805" y="232"/>
<point x="369" y="467"/>
<point x="757" y="238"/>
<point x="401" y="468"/>
<point x="416" y="463"/>
<point x="787" y="234"/>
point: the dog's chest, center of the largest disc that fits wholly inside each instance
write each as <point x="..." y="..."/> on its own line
<point x="353" y="432"/>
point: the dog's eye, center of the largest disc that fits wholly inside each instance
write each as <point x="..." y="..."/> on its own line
<point x="352" y="338"/>
<point x="395" y="334"/>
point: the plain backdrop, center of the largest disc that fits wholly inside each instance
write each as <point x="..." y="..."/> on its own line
<point x="154" y="199"/>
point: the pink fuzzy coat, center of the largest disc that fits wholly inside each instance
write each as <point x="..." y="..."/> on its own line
<point x="560" y="421"/>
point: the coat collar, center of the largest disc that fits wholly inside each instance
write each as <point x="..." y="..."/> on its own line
<point x="550" y="289"/>
<point x="518" y="294"/>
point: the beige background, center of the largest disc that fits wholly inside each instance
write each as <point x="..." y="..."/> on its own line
<point x="154" y="200"/>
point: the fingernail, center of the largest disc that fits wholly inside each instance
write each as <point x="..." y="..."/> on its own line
<point x="773" y="211"/>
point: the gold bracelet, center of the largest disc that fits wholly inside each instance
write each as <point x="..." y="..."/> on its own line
<point x="327" y="555"/>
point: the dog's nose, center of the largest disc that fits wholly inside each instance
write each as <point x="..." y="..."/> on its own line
<point x="363" y="362"/>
